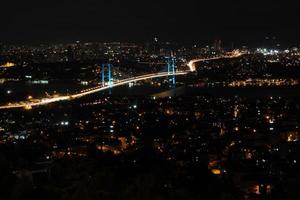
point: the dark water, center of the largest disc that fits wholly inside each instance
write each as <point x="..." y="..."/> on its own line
<point x="227" y="92"/>
<point x="179" y="90"/>
<point x="20" y="91"/>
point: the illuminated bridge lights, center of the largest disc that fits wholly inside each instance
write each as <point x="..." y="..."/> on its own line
<point x="45" y="101"/>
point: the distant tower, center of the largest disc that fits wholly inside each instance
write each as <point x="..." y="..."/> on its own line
<point x="155" y="45"/>
<point x="70" y="54"/>
<point x="106" y="75"/>
<point x="218" y="45"/>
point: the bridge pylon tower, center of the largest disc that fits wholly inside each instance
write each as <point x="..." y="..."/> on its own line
<point x="106" y="75"/>
<point x="171" y="69"/>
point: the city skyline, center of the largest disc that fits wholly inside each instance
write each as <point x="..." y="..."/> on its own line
<point x="149" y="100"/>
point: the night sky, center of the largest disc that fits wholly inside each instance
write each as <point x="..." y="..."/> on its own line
<point x="186" y="21"/>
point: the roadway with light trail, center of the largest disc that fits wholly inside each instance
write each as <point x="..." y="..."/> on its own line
<point x="45" y="101"/>
<point x="90" y="91"/>
<point x="192" y="63"/>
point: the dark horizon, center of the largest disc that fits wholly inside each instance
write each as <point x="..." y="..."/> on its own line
<point x="242" y="23"/>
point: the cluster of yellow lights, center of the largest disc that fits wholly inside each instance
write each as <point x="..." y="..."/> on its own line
<point x="258" y="189"/>
<point x="264" y="82"/>
<point x="216" y="171"/>
<point x="8" y="64"/>
<point x="292" y="137"/>
<point x="28" y="107"/>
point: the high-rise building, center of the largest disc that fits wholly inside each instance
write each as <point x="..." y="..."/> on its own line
<point x="217" y="45"/>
